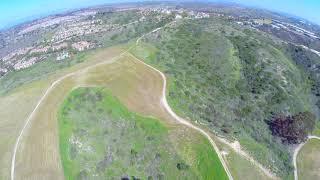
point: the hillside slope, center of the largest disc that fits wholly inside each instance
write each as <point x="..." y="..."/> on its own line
<point x="232" y="80"/>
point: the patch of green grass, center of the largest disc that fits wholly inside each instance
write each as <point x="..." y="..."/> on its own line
<point x="206" y="161"/>
<point x="100" y="138"/>
<point x="243" y="169"/>
<point x="316" y="130"/>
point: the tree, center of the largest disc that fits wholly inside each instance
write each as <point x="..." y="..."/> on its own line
<point x="292" y="129"/>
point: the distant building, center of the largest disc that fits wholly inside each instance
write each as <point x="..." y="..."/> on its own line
<point x="81" y="46"/>
<point x="178" y="16"/>
<point x="16" y="53"/>
<point x="62" y="56"/>
<point x="240" y="23"/>
<point x="202" y="15"/>
<point x="8" y="57"/>
<point x="39" y="50"/>
<point x="25" y="64"/>
<point x="59" y="46"/>
<point x="3" y="70"/>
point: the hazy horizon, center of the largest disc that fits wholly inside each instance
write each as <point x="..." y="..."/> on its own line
<point x="15" y="12"/>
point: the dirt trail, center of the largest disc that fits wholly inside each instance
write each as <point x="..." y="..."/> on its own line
<point x="163" y="102"/>
<point x="237" y="148"/>
<point x="185" y="122"/>
<point x="235" y="145"/>
<point x="13" y="160"/>
<point x="53" y="85"/>
<point x="295" y="154"/>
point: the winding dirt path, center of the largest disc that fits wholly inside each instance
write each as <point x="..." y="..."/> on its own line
<point x="295" y="154"/>
<point x="13" y="159"/>
<point x="235" y="146"/>
<point x="185" y="122"/>
<point x="163" y="102"/>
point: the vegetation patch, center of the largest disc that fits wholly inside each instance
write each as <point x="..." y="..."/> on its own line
<point x="100" y="138"/>
<point x="293" y="129"/>
<point x="231" y="80"/>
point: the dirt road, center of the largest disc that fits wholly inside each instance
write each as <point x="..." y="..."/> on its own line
<point x="234" y="145"/>
<point x="185" y="122"/>
<point x="163" y="102"/>
<point x="53" y="85"/>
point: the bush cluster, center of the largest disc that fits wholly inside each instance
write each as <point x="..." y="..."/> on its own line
<point x="292" y="129"/>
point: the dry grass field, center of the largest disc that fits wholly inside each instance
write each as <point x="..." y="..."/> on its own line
<point x="38" y="154"/>
<point x="14" y="109"/>
<point x="16" y="106"/>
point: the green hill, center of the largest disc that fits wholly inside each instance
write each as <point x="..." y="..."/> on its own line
<point x="233" y="80"/>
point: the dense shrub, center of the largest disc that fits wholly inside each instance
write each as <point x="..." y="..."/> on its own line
<point x="182" y="166"/>
<point x="292" y="129"/>
<point x="310" y="63"/>
<point x="232" y="82"/>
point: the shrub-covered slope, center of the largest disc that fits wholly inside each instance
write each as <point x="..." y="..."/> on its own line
<point x="232" y="80"/>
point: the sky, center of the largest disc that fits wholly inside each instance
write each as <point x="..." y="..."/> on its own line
<point x="17" y="11"/>
<point x="307" y="9"/>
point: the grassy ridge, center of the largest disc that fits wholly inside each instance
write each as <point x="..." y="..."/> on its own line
<point x="100" y="138"/>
